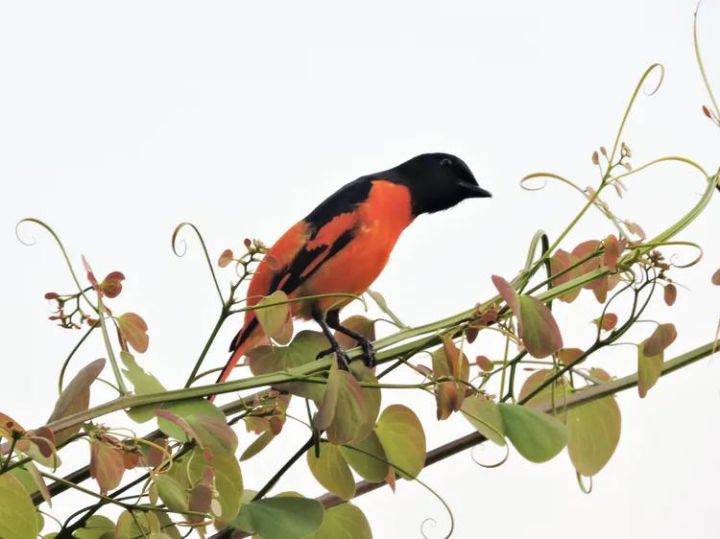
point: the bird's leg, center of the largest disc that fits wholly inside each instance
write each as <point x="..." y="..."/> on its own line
<point x="343" y="360"/>
<point x="333" y="320"/>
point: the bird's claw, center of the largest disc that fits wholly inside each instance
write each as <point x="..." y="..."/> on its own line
<point x="342" y="357"/>
<point x="368" y="354"/>
<point x="368" y="357"/>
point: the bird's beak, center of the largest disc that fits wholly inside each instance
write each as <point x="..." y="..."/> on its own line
<point x="475" y="190"/>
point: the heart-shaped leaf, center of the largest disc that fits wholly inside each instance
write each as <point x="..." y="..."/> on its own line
<point x="17" y="512"/>
<point x="403" y="439"/>
<point x="485" y="416"/>
<point x="367" y="457"/>
<point x="537" y="436"/>
<point x="274" y="317"/>
<point x="593" y="434"/>
<point x="344" y="520"/>
<point x="134" y="330"/>
<point x="282" y="517"/>
<point x="331" y="470"/>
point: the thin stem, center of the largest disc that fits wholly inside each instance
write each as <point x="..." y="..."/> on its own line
<point x="285" y="467"/>
<point x="109" y="348"/>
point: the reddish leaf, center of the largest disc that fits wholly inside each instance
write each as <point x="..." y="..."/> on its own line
<point x="536" y="325"/>
<point x="448" y="399"/>
<point x="662" y="337"/>
<point x="612" y="252"/>
<point x="111" y="286"/>
<point x="225" y="258"/>
<point x="134" y="331"/>
<point x="51" y="295"/>
<point x="9" y="428"/>
<point x="715" y="279"/>
<point x="583" y="250"/>
<point x="560" y="262"/>
<point x="154" y="455"/>
<point x="569" y="356"/>
<point x="649" y="369"/>
<point x="600" y="374"/>
<point x="75" y="398"/>
<point x="670" y="294"/>
<point x="484" y="363"/>
<point x="449" y="361"/>
<point x="89" y="271"/>
<point x="106" y="464"/>
<point x="706" y="112"/>
<point x="636" y="229"/>
<point x="201" y="497"/>
<point x="507" y="292"/>
<point x="607" y="322"/>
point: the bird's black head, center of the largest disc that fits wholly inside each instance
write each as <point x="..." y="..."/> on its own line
<point x="438" y="181"/>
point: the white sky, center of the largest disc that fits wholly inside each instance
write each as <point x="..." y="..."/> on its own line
<point x="118" y="121"/>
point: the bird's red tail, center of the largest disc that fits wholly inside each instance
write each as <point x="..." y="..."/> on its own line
<point x="245" y="341"/>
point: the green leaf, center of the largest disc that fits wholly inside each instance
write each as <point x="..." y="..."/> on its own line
<point x="331" y="470"/>
<point x="367" y="457"/>
<point x="537" y="436"/>
<point x="17" y="512"/>
<point x="276" y="320"/>
<point x="281" y="517"/>
<point x="137" y="524"/>
<point x="206" y="420"/>
<point x="649" y="369"/>
<point x="75" y="398"/>
<point x="303" y="349"/>
<point x="257" y="445"/>
<point x="348" y="411"/>
<point x="228" y="480"/>
<point x="343" y="521"/>
<point x="593" y="434"/>
<point x="172" y="493"/>
<point x="403" y="439"/>
<point x="555" y="394"/>
<point x="143" y="382"/>
<point x="166" y="525"/>
<point x="485" y="416"/>
<point x="537" y="327"/>
<point x="134" y="330"/>
<point x="96" y="527"/>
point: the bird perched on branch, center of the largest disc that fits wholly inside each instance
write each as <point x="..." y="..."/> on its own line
<point x="342" y="245"/>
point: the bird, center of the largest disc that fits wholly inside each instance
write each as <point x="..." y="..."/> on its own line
<point x="342" y="246"/>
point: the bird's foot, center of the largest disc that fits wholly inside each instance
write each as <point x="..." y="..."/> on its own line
<point x="342" y="357"/>
<point x="368" y="353"/>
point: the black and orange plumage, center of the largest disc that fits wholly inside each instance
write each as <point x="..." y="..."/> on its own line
<point x="342" y="245"/>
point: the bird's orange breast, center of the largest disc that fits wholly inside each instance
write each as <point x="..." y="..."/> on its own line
<point x="377" y="224"/>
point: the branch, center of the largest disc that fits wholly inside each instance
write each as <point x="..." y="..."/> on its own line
<point x="449" y="449"/>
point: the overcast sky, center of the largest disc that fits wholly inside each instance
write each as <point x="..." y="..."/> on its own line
<point x="118" y="121"/>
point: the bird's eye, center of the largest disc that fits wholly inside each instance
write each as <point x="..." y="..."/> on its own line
<point x="446" y="162"/>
